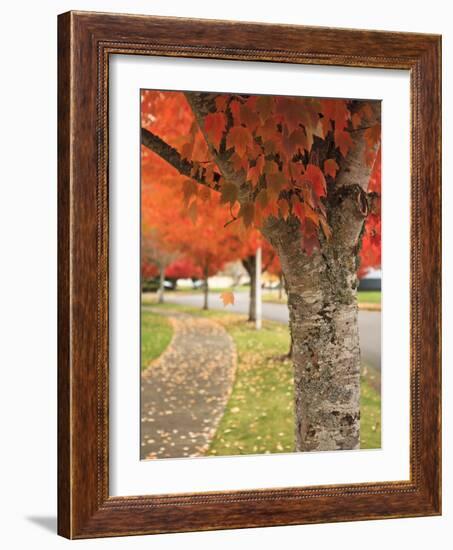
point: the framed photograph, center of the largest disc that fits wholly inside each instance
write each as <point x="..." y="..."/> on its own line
<point x="249" y="275"/>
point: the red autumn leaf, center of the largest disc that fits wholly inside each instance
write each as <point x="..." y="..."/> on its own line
<point x="247" y="213"/>
<point x="343" y="141"/>
<point x="262" y="198"/>
<point x="373" y="135"/>
<point x="229" y="193"/>
<point x="283" y="207"/>
<point x="215" y="124"/>
<point x="190" y="189"/>
<point x="275" y="183"/>
<point x="239" y="163"/>
<point x="325" y="227"/>
<point x="356" y="120"/>
<point x="309" y="239"/>
<point x="192" y="212"/>
<point x="270" y="167"/>
<point x="294" y="142"/>
<point x="268" y="131"/>
<point x="239" y="138"/>
<point x="310" y="214"/>
<point x="248" y="118"/>
<point x="254" y="172"/>
<point x="186" y="150"/>
<point x="331" y="167"/>
<point x="221" y="102"/>
<point x="291" y="111"/>
<point x="204" y="193"/>
<point x="297" y="209"/>
<point x="314" y="175"/>
<point x="264" y="106"/>
<point x="367" y="111"/>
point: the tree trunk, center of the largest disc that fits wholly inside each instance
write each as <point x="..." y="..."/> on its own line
<point x="322" y="301"/>
<point x="161" y="289"/>
<point x="280" y="286"/>
<point x="205" y="290"/>
<point x="250" y="265"/>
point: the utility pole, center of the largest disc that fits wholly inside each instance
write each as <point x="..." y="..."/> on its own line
<point x="258" y="291"/>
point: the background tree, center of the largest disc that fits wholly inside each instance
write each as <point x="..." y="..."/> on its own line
<point x="188" y="224"/>
<point x="298" y="170"/>
<point x="370" y="252"/>
<point x="183" y="268"/>
<point x="250" y="244"/>
<point x="157" y="254"/>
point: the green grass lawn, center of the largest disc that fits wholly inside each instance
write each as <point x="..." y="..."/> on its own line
<point x="363" y="297"/>
<point x="259" y="417"/>
<point x="156" y="335"/>
<point x="369" y="296"/>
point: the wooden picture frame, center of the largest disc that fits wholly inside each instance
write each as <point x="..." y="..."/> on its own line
<point x="85" y="42"/>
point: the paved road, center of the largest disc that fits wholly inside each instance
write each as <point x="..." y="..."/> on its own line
<point x="369" y="321"/>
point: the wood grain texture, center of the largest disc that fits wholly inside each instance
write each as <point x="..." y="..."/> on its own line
<point x="85" y="42"/>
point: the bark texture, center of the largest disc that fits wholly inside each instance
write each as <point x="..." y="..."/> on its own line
<point x="324" y="339"/>
<point x="206" y="289"/>
<point x="161" y="289"/>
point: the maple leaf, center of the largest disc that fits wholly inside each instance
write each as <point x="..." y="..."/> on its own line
<point x="239" y="138"/>
<point x="270" y="167"/>
<point x="331" y="167"/>
<point x="299" y="140"/>
<point x="373" y="135"/>
<point x="248" y="118"/>
<point x="258" y="216"/>
<point x="283" y="208"/>
<point x="186" y="150"/>
<point x="229" y="193"/>
<point x="325" y="228"/>
<point x="310" y="214"/>
<point x="221" y="102"/>
<point x="227" y="298"/>
<point x="204" y="193"/>
<point x="268" y="131"/>
<point x="356" y="119"/>
<point x="254" y="172"/>
<point x="309" y="238"/>
<point x="343" y="141"/>
<point x="190" y="189"/>
<point x="262" y="198"/>
<point x="270" y="147"/>
<point x="239" y="163"/>
<point x="316" y="178"/>
<point x="235" y="107"/>
<point x="215" y="124"/>
<point x="290" y="109"/>
<point x="297" y="207"/>
<point x="275" y="183"/>
<point x="247" y="213"/>
<point x="192" y="212"/>
<point x="367" y="111"/>
<point x="326" y="125"/>
<point x="264" y="106"/>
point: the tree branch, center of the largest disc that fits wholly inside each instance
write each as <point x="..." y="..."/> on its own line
<point x="171" y="155"/>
